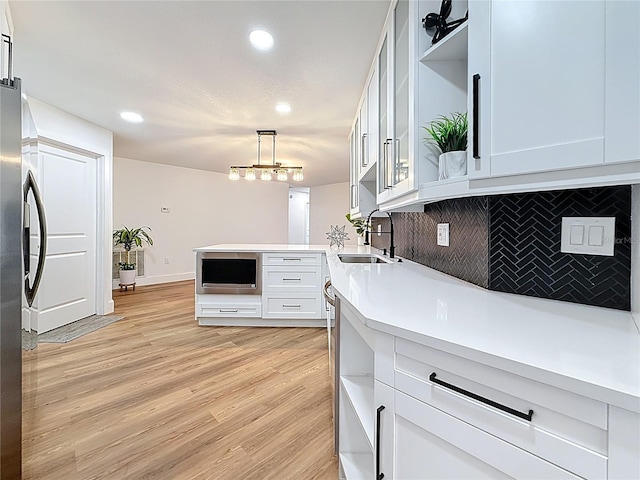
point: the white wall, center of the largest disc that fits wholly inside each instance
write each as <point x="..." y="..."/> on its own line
<point x="206" y="208"/>
<point x="328" y="205"/>
<point x="298" y="217"/>
<point x="58" y="127"/>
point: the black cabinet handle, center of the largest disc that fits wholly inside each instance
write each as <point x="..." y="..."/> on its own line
<point x="499" y="406"/>
<point x="379" y="475"/>
<point x="476" y="116"/>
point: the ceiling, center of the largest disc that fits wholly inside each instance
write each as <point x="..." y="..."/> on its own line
<point x="189" y="69"/>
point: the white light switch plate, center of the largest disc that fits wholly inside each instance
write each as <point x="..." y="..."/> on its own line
<point x="443" y="234"/>
<point x="588" y="235"/>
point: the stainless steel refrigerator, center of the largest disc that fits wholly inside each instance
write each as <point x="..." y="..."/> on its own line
<point x="17" y="286"/>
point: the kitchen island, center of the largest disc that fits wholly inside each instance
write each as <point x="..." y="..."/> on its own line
<point x="405" y="326"/>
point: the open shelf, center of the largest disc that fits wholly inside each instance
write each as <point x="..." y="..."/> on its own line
<point x="368" y="173"/>
<point x="357" y="466"/>
<point x="359" y="391"/>
<point x="452" y="47"/>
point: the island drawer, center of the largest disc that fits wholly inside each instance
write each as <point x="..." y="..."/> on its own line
<point x="229" y="310"/>
<point x="293" y="278"/>
<point x="291" y="305"/>
<point x="291" y="258"/>
<point x="565" y="428"/>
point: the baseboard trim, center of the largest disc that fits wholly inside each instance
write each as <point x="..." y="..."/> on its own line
<point x="156" y="279"/>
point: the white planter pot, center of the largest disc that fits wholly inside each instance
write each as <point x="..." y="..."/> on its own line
<point x="127" y="277"/>
<point x="452" y="164"/>
<point x="360" y="240"/>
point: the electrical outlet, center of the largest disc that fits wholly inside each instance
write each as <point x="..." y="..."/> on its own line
<point x="166" y="260"/>
<point x="588" y="235"/>
<point x="165" y="209"/>
<point x="443" y="234"/>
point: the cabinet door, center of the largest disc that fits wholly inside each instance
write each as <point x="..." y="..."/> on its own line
<point x="622" y="83"/>
<point x="364" y="134"/>
<point x="353" y="174"/>
<point x="372" y="118"/>
<point x="384" y="131"/>
<point x="540" y="91"/>
<point x="431" y="444"/>
<point x="384" y="431"/>
<point x="400" y="147"/>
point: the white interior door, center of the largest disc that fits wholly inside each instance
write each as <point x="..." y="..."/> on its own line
<point x="68" y="289"/>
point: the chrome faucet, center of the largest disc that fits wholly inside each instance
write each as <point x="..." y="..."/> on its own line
<point x="392" y="247"/>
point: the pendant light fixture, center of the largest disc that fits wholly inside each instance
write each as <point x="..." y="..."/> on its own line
<point x="266" y="171"/>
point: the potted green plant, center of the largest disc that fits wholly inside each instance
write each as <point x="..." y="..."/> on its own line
<point x="128" y="238"/>
<point x="450" y="135"/>
<point x="360" y="225"/>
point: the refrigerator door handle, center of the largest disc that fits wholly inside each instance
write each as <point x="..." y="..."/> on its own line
<point x="31" y="290"/>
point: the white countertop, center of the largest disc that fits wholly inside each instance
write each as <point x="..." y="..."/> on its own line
<point x="588" y="350"/>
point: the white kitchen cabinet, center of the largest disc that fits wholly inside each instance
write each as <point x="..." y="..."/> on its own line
<point x="384" y="430"/>
<point x="292" y="286"/>
<point x="553" y="94"/>
<point x="421" y="84"/>
<point x="363" y="143"/>
<point x="622" y="82"/>
<point x="356" y="397"/>
<point x="431" y="444"/>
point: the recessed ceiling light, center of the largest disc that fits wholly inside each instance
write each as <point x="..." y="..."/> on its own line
<point x="283" y="108"/>
<point x="131" y="117"/>
<point x="261" y="40"/>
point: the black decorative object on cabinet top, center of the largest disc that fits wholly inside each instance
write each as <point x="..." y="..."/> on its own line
<point x="436" y="24"/>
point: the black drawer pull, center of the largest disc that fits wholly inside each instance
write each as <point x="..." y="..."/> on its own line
<point x="379" y="474"/>
<point x="499" y="406"/>
<point x="476" y="116"/>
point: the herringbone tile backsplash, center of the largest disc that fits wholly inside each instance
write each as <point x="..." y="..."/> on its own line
<point x="524" y="247"/>
<point x="415" y="238"/>
<point x="511" y="243"/>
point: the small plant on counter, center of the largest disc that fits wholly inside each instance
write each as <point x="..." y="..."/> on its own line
<point x="359" y="224"/>
<point x="128" y="238"/>
<point x="450" y="135"/>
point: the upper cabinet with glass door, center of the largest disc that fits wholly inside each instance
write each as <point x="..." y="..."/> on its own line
<point x="555" y="94"/>
<point x="414" y="90"/>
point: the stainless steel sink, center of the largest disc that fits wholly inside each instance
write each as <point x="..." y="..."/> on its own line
<point x="361" y="258"/>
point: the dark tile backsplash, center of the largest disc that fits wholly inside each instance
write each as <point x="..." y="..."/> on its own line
<point x="511" y="243"/>
<point x="415" y="238"/>
<point x="524" y="247"/>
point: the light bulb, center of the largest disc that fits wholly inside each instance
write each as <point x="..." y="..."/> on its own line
<point x="298" y="176"/>
<point x="266" y="175"/>
<point x="250" y="174"/>
<point x="282" y="175"/>
<point x="234" y="174"/>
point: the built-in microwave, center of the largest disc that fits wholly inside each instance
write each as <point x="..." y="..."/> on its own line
<point x="235" y="273"/>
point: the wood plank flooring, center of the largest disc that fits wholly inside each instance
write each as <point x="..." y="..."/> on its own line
<point x="155" y="396"/>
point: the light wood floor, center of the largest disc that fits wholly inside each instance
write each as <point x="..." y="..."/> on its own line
<point x="155" y="396"/>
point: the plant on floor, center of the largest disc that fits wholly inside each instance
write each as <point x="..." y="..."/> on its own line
<point x="128" y="238"/>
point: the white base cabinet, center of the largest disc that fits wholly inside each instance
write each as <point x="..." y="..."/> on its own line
<point x="291" y="296"/>
<point x="413" y="412"/>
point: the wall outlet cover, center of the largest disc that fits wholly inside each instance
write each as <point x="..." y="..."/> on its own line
<point x="165" y="209"/>
<point x="588" y="235"/>
<point x="443" y="234"/>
